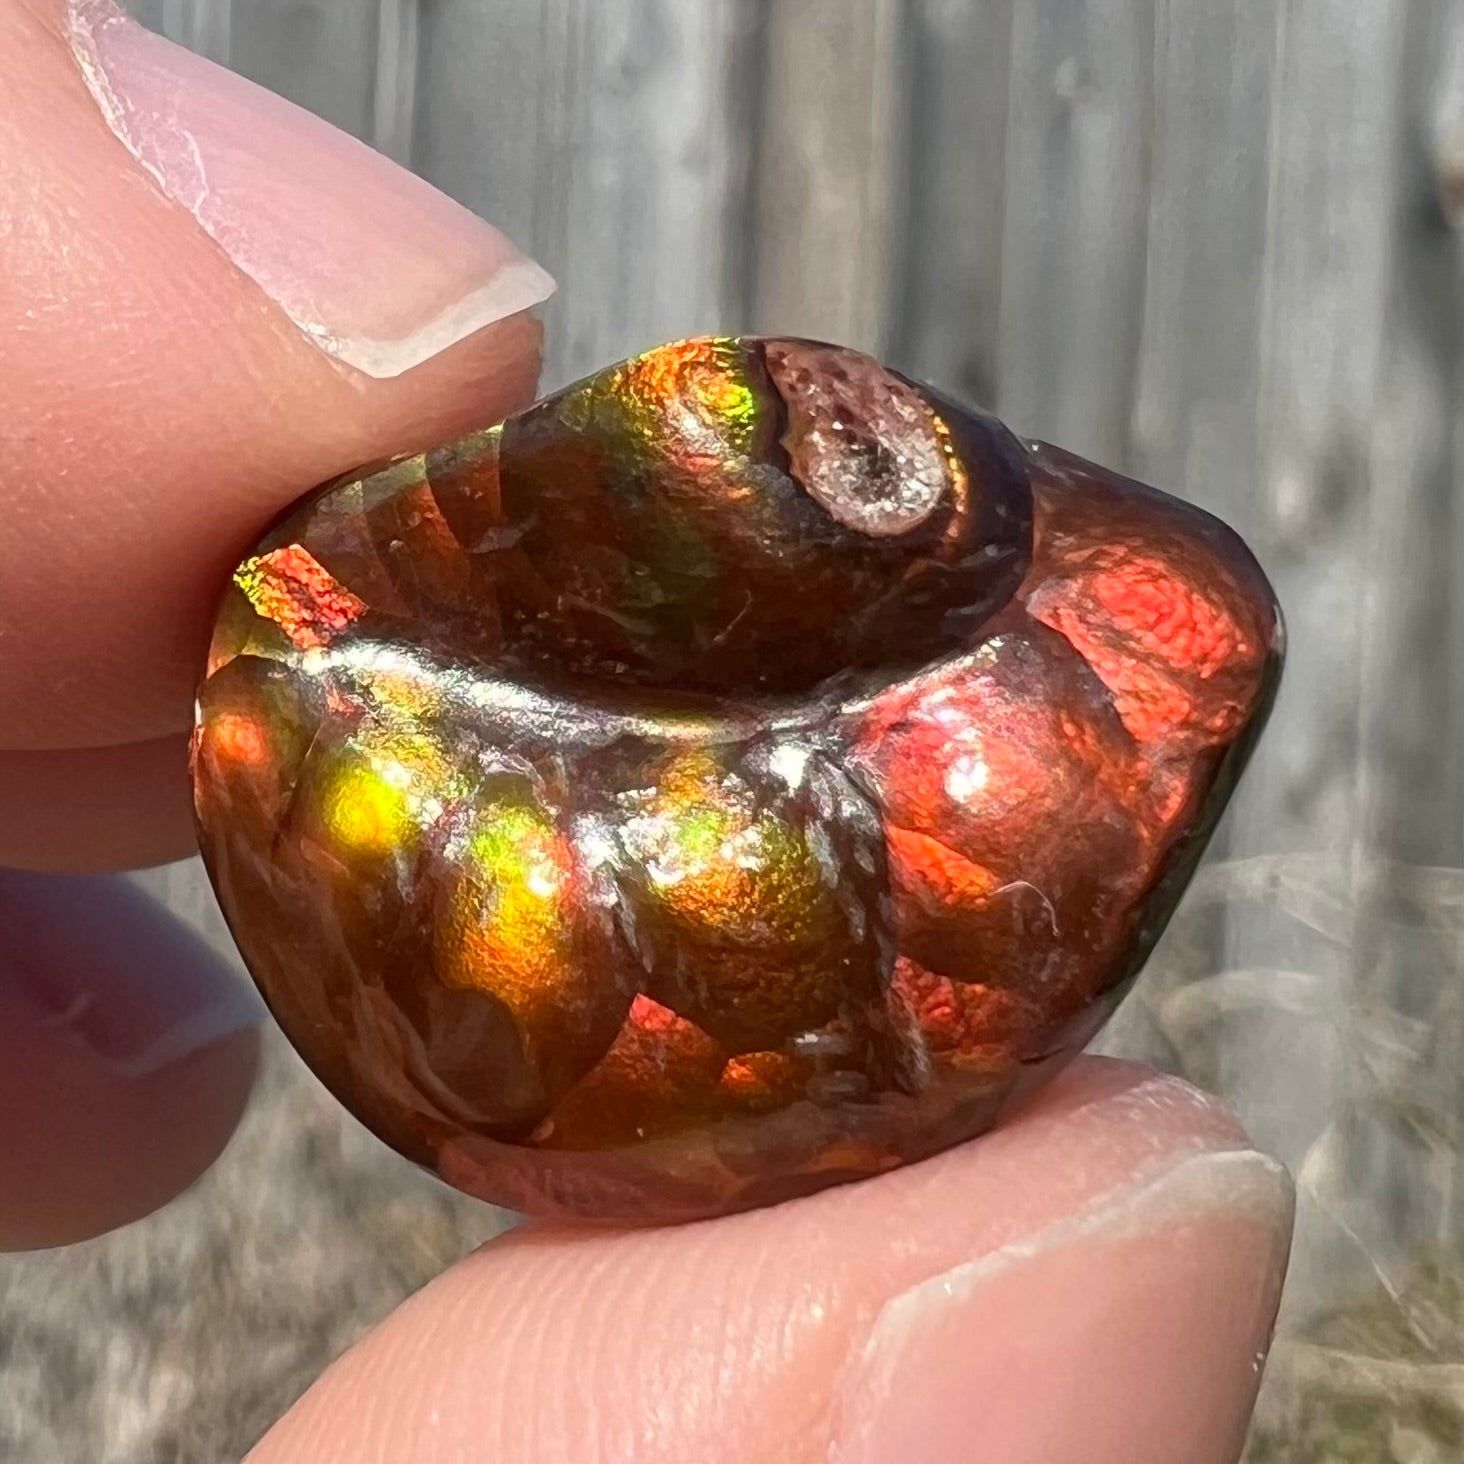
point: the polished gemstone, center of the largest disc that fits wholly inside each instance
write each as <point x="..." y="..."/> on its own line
<point x="743" y="771"/>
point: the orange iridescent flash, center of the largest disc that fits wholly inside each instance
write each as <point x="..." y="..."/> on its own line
<point x="695" y="384"/>
<point x="241" y="739"/>
<point x="716" y="862"/>
<point x="507" y="929"/>
<point x="290" y="587"/>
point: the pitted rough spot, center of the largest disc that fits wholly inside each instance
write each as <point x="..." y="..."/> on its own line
<point x="862" y="442"/>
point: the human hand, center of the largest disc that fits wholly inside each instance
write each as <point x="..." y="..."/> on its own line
<point x="194" y="331"/>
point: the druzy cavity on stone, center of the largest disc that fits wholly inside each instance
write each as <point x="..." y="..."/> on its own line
<point x="741" y="772"/>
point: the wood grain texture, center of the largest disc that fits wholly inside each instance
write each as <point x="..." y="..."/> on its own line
<point x="612" y="141"/>
<point x="323" y="57"/>
<point x="398" y="58"/>
<point x="833" y="139"/>
<point x="1077" y="200"/>
<point x="945" y="298"/>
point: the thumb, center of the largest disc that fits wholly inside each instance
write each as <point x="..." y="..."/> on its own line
<point x="1094" y="1283"/>
<point x="209" y="301"/>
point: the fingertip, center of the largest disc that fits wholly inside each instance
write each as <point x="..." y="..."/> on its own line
<point x="731" y="1339"/>
<point x="162" y="404"/>
<point x="1127" y="1333"/>
<point x="87" y="1152"/>
<point x="472" y="384"/>
<point x="128" y="1050"/>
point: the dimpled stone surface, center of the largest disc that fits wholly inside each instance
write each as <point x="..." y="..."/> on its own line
<point x="742" y="771"/>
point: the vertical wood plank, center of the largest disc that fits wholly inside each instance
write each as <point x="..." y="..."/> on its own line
<point x="657" y="218"/>
<point x="203" y="26"/>
<point x="829" y="194"/>
<point x="1208" y="207"/>
<point x="1310" y="496"/>
<point x="1411" y="648"/>
<point x="317" y="53"/>
<point x="151" y="13"/>
<point x="1077" y="174"/>
<point x="1410" y="441"/>
<point x="612" y="140"/>
<point x="394" y="102"/>
<point x="1343" y="526"/>
<point x="948" y="272"/>
<point x="490" y="99"/>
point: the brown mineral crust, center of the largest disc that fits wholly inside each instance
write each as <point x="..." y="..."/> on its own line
<point x="852" y="425"/>
<point x="1165" y="604"/>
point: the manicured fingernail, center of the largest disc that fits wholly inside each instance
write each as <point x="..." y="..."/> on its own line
<point x="374" y="265"/>
<point x="1133" y="1333"/>
<point x="111" y="967"/>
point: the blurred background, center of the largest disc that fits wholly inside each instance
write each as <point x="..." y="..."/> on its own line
<point x="1219" y="247"/>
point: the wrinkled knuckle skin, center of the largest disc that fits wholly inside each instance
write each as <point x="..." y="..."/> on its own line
<point x="742" y="771"/>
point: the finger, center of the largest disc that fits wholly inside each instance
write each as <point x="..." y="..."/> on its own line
<point x="209" y="301"/>
<point x="127" y="1051"/>
<point x="95" y="808"/>
<point x="1092" y="1283"/>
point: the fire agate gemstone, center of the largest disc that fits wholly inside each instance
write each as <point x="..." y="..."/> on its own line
<point x="741" y="772"/>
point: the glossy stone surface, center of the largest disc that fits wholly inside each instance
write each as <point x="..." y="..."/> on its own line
<point x="741" y="772"/>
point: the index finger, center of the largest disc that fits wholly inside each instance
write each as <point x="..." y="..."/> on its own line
<point x="1092" y="1283"/>
<point x="209" y="301"/>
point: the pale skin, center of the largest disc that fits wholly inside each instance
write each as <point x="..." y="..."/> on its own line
<point x="1094" y="1283"/>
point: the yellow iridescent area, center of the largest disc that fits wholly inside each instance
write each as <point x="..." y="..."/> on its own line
<point x="384" y="788"/>
<point x="400" y="691"/>
<point x="959" y="479"/>
<point x="722" y="867"/>
<point x="696" y="385"/>
<point x="508" y="928"/>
